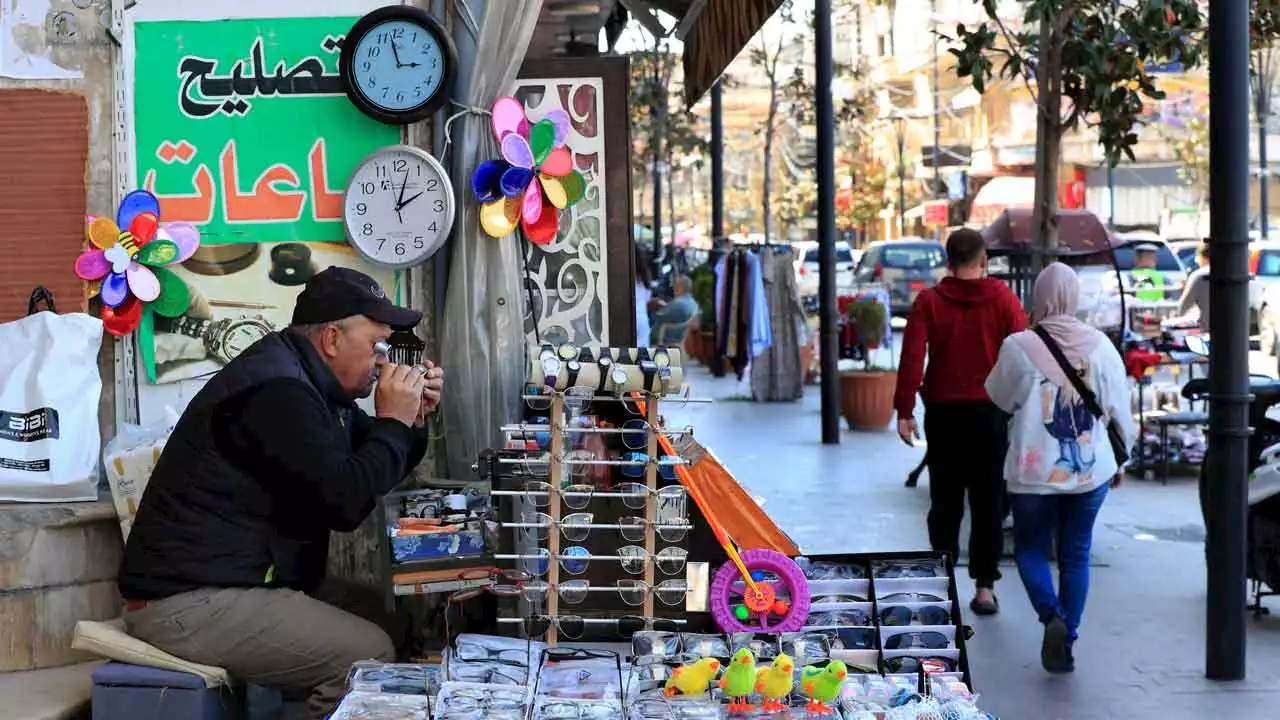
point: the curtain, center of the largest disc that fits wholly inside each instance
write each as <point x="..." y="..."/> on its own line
<point x="482" y="335"/>
<point x="776" y="374"/>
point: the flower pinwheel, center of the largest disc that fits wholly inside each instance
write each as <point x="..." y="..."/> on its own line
<point x="507" y="188"/>
<point x="127" y="266"/>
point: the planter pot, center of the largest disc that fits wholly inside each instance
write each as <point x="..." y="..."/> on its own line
<point x="693" y="345"/>
<point x="706" y="346"/>
<point x="806" y="365"/>
<point x="866" y="399"/>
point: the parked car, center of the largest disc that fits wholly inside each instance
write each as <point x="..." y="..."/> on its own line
<point x="806" y="260"/>
<point x="1186" y="250"/>
<point x="1264" y="273"/>
<point x="905" y="266"/>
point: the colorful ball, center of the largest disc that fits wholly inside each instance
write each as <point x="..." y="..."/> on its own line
<point x="742" y="613"/>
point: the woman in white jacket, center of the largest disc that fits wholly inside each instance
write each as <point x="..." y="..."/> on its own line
<point x="1060" y="463"/>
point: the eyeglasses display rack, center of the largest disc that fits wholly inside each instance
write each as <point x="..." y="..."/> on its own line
<point x="563" y="382"/>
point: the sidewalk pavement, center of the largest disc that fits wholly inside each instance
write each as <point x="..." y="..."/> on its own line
<point x="1141" y="652"/>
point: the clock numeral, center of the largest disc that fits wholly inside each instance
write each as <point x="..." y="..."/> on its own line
<point x="385" y="90"/>
<point x="380" y="170"/>
<point x="433" y="227"/>
<point x="366" y="66"/>
<point x="419" y="242"/>
<point x="432" y="185"/>
<point x="367" y="229"/>
<point x="399" y="165"/>
<point x="417" y="92"/>
<point x="367" y="188"/>
<point x="373" y="81"/>
<point x="438" y="205"/>
<point x="400" y="249"/>
<point x="361" y="208"/>
<point x="434" y="63"/>
<point x="414" y="38"/>
<point x="381" y="242"/>
<point x="374" y="51"/>
<point x="400" y="97"/>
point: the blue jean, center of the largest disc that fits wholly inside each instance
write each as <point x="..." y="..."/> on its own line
<point x="1037" y="521"/>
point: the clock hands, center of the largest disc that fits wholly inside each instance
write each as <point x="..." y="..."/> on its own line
<point x="403" y="203"/>
<point x="395" y="52"/>
<point x="400" y="198"/>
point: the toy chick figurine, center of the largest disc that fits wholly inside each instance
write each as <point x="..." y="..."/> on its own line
<point x="739" y="680"/>
<point x="774" y="683"/>
<point x="692" y="679"/>
<point x="823" y="685"/>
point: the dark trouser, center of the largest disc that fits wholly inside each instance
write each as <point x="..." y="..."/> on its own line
<point x="274" y="637"/>
<point x="967" y="445"/>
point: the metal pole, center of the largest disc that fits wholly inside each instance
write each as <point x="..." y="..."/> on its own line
<point x="826" y="166"/>
<point x="1111" y="195"/>
<point x="717" y="171"/>
<point x="1262" y="99"/>
<point x="902" y="180"/>
<point x="1225" y="497"/>
<point x="937" y="116"/>
<point x="659" y="133"/>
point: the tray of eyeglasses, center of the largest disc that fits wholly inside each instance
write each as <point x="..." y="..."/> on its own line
<point x="382" y="706"/>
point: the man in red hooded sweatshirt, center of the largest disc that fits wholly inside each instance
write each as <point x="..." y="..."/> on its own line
<point x="962" y="323"/>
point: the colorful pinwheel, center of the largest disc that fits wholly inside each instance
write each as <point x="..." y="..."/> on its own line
<point x="506" y="187"/>
<point x="126" y="267"/>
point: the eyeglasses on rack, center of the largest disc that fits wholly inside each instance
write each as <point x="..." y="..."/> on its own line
<point x="825" y="570"/>
<point x="910" y="597"/>
<point x="912" y="664"/>
<point x="668" y="592"/>
<point x="635" y="495"/>
<point x="575" y="559"/>
<point x="907" y="569"/>
<point x="899" y="615"/>
<point x="633" y="529"/>
<point x="928" y="640"/>
<point x="573" y="627"/>
<point x="504" y="583"/>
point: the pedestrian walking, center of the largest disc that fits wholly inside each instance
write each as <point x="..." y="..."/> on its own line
<point x="1060" y="463"/>
<point x="960" y="324"/>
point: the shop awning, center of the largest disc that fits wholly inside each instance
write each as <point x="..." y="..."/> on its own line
<point x="1000" y="194"/>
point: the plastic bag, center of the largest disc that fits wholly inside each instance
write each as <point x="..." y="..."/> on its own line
<point x="49" y="436"/>
<point x="129" y="459"/>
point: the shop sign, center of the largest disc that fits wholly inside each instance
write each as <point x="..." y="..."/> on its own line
<point x="242" y="128"/>
<point x="936" y="213"/>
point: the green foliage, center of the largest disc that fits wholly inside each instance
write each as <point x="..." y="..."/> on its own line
<point x="867" y="316"/>
<point x="1191" y="148"/>
<point x="1100" y="49"/>
<point x="704" y="293"/>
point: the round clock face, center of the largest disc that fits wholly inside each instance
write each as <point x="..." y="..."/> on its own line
<point x="398" y="207"/>
<point x="398" y="64"/>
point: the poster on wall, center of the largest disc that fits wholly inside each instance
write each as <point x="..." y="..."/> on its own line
<point x="242" y="129"/>
<point x="581" y="287"/>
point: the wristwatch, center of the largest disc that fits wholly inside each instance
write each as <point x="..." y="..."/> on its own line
<point x="603" y="366"/>
<point x="648" y="369"/>
<point x="575" y="367"/>
<point x="568" y="351"/>
<point x="663" y="361"/>
<point x="223" y="339"/>
<point x="550" y="366"/>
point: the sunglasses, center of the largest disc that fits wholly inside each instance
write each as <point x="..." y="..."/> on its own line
<point x="928" y="640"/>
<point x="804" y="646"/>
<point x="823" y="570"/>
<point x="764" y="648"/>
<point x="647" y="643"/>
<point x="834" y="599"/>
<point x="928" y="615"/>
<point x="635" y="435"/>
<point x="704" y="646"/>
<point x="911" y="664"/>
<point x="907" y="570"/>
<point x="573" y="560"/>
<point x="842" y="618"/>
<point x="911" y="597"/>
<point x="573" y="627"/>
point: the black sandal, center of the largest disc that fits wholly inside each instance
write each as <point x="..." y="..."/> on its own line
<point x="985" y="608"/>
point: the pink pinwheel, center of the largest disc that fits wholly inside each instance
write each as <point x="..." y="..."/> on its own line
<point x="126" y="267"/>
<point x="506" y="187"/>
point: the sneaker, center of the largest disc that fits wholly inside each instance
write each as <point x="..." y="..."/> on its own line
<point x="1055" y="652"/>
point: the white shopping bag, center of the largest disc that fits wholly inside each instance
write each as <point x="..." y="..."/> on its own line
<point x="49" y="392"/>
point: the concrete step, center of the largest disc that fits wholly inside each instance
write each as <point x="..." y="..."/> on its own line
<point x="58" y="565"/>
<point x="61" y="693"/>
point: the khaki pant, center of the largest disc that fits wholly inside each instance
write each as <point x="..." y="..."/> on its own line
<point x="273" y="637"/>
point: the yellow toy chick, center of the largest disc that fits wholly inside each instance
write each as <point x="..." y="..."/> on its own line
<point x="692" y="679"/>
<point x="774" y="683"/>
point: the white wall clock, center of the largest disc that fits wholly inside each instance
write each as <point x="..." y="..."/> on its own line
<point x="398" y="206"/>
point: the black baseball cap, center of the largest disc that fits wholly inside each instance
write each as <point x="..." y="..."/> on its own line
<point x="338" y="292"/>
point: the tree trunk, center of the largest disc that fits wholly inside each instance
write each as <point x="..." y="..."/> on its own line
<point x="767" y="205"/>
<point x="1048" y="144"/>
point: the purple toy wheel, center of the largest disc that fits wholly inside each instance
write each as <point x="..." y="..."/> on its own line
<point x="778" y="577"/>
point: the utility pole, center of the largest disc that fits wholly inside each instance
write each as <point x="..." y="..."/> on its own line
<point x="1225" y="492"/>
<point x="717" y="171"/>
<point x="826" y="167"/>
<point x="1111" y="195"/>
<point x="899" y="131"/>
<point x="1263" y="77"/>
<point x="937" y="116"/>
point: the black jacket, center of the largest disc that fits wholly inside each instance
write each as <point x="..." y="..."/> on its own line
<point x="269" y="457"/>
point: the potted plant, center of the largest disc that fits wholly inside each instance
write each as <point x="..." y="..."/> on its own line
<point x="702" y="339"/>
<point x="866" y="394"/>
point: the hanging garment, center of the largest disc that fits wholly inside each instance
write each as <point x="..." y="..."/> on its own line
<point x="776" y="373"/>
<point x="739" y="353"/>
<point x="759" y="325"/>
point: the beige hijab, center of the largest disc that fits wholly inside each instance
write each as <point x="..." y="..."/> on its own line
<point x="1054" y="302"/>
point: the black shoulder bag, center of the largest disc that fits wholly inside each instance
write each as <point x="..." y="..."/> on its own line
<point x="1118" y="447"/>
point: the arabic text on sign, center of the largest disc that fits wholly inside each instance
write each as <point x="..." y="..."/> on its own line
<point x="277" y="195"/>
<point x="204" y="94"/>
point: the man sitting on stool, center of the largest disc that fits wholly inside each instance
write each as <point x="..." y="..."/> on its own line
<point x="225" y="564"/>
